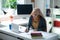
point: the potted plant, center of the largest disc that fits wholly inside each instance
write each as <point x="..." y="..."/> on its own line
<point x="12" y="4"/>
<point x="12" y="7"/>
<point x="9" y="6"/>
<point x="9" y="3"/>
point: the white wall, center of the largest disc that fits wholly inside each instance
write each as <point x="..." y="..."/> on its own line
<point x="20" y="1"/>
<point x="40" y="4"/>
<point x="0" y="4"/>
<point x="47" y="3"/>
<point x="1" y="12"/>
<point x="23" y="1"/>
<point x="51" y="3"/>
<point x="57" y="2"/>
<point x="27" y="1"/>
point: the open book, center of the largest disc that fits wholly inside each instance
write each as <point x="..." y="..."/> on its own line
<point x="22" y="29"/>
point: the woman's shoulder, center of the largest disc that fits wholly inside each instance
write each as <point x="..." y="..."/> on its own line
<point x="43" y="19"/>
<point x="31" y="17"/>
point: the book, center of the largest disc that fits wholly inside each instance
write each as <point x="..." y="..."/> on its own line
<point x="36" y="35"/>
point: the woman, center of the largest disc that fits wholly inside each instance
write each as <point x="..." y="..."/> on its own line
<point x="37" y="21"/>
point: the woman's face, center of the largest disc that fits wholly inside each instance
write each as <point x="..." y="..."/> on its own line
<point x="35" y="15"/>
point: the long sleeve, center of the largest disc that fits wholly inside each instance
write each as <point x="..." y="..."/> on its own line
<point x="42" y="25"/>
<point x="30" y="22"/>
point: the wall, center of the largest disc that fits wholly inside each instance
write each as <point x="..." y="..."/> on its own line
<point x="47" y="4"/>
<point x="40" y="4"/>
<point x="23" y="1"/>
<point x="0" y="4"/>
<point x="51" y="3"/>
<point x="27" y="1"/>
<point x="1" y="12"/>
<point x="57" y="2"/>
<point x="20" y="1"/>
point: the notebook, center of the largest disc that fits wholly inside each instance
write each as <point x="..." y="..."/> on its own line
<point x="36" y="35"/>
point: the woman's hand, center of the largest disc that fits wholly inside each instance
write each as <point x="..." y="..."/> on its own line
<point x="35" y="29"/>
<point x="26" y="30"/>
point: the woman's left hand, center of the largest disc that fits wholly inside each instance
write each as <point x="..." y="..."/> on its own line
<point x="35" y="29"/>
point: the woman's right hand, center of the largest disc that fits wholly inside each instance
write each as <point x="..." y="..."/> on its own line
<point x="26" y="30"/>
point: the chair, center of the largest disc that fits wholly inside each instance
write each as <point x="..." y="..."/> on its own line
<point x="49" y="23"/>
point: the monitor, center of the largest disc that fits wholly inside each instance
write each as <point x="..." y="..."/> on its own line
<point x="24" y="9"/>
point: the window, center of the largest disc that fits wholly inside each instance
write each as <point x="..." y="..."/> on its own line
<point x="9" y="3"/>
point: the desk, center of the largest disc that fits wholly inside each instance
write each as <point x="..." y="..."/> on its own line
<point x="21" y="21"/>
<point x="27" y="36"/>
<point x="6" y="30"/>
<point x="16" y="21"/>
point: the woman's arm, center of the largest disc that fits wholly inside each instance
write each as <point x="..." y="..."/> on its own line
<point x="29" y="24"/>
<point x="42" y="25"/>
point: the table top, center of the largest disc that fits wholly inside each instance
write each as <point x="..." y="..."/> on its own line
<point x="23" y="35"/>
<point x="26" y="35"/>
